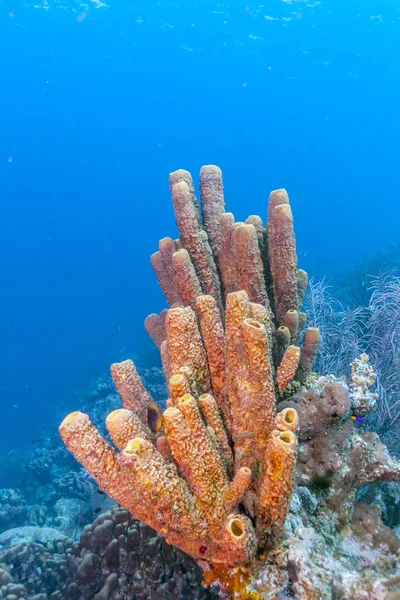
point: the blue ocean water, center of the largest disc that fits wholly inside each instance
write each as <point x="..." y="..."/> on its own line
<point x="100" y="101"/>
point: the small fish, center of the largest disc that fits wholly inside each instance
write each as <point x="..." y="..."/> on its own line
<point x="357" y="419"/>
<point x="101" y="492"/>
<point x="97" y="510"/>
<point x="154" y="417"/>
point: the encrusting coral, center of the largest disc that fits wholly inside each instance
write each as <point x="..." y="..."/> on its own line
<point x="215" y="472"/>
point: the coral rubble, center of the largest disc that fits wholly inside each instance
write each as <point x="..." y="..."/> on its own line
<point x="215" y="473"/>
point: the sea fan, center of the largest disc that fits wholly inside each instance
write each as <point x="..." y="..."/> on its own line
<point x="341" y="329"/>
<point x="383" y="344"/>
<point x="375" y="329"/>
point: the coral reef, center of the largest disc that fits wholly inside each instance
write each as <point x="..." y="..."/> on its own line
<point x="67" y="511"/>
<point x="12" y="508"/>
<point x="214" y="473"/>
<point x="117" y="557"/>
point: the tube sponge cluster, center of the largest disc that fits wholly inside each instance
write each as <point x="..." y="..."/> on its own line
<point x="218" y="492"/>
<point x="214" y="473"/>
<point x="215" y="256"/>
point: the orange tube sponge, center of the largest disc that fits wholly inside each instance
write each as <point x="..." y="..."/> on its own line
<point x="257" y="223"/>
<point x="276" y="198"/>
<point x="182" y="175"/>
<point x="308" y="353"/>
<point x="264" y="315"/>
<point x="260" y="397"/>
<point x="250" y="271"/>
<point x="210" y="411"/>
<point x="220" y="460"/>
<point x="292" y="323"/>
<point x="186" y="279"/>
<point x="211" y="261"/>
<point x="287" y="420"/>
<point x="192" y="241"/>
<point x="124" y="425"/>
<point x="288" y="367"/>
<point x="185" y="346"/>
<point x="163" y="448"/>
<point x="212" y="459"/>
<point x="259" y="313"/>
<point x="262" y="244"/>
<point x="87" y="445"/>
<point x="282" y="253"/>
<point x="212" y="204"/>
<point x="282" y="339"/>
<point x="174" y="512"/>
<point x="165" y="360"/>
<point x="237" y="310"/>
<point x="274" y="486"/>
<point x="166" y="284"/>
<point x="250" y="382"/>
<point x="187" y="372"/>
<point x="302" y="282"/>
<point x="149" y="487"/>
<point x="155" y="327"/>
<point x="212" y="332"/>
<point x="167" y="247"/>
<point x="237" y="489"/>
<point x="226" y="259"/>
<point x="178" y="386"/>
<point x="183" y="444"/>
<point x="239" y="539"/>
<point x="100" y="460"/>
<point x="130" y="387"/>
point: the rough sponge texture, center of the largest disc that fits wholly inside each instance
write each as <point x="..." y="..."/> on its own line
<point x="288" y="367"/>
<point x="215" y="473"/>
<point x="282" y="253"/>
<point x="212" y="204"/>
<point x="133" y="394"/>
<point x="188" y="491"/>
